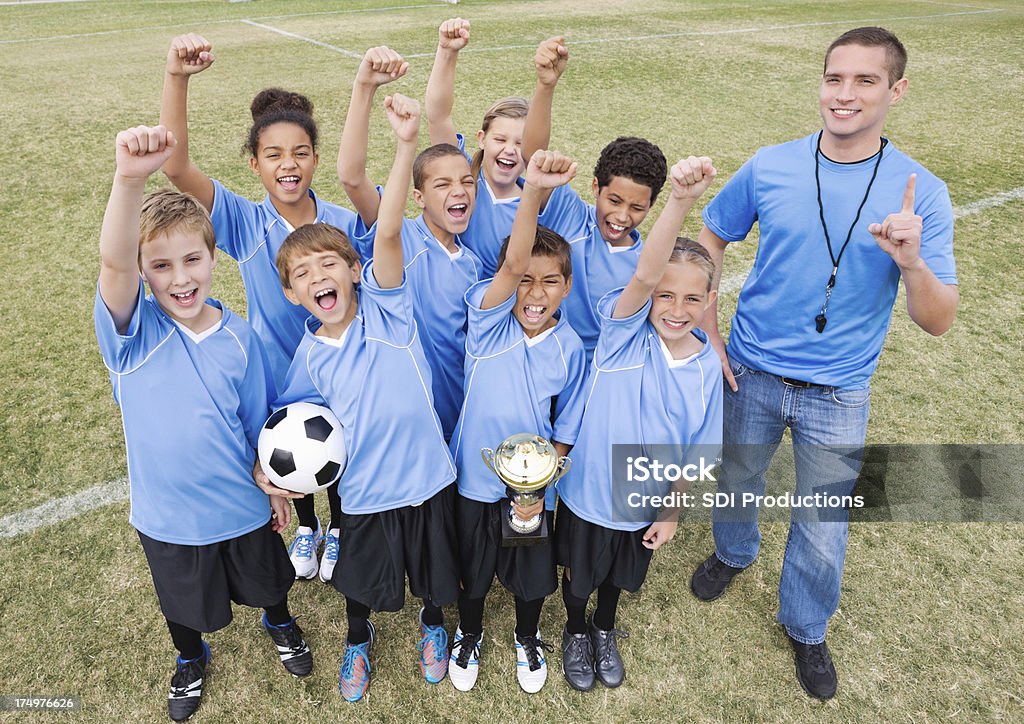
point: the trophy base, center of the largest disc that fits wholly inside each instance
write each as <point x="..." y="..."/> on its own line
<point x="511" y="537"/>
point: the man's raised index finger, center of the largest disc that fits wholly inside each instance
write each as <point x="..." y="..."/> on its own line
<point x="908" y="194"/>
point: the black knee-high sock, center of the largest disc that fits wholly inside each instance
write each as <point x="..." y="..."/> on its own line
<point x="187" y="641"/>
<point x="334" y="500"/>
<point x="432" y="615"/>
<point x="305" y="511"/>
<point x="471" y="614"/>
<point x="575" y="610"/>
<point x="277" y="615"/>
<point x="357" y="614"/>
<point x="607" y="604"/>
<point x="528" y="616"/>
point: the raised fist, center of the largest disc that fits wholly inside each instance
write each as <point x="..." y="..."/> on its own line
<point x="142" y="150"/>
<point x="453" y="34"/>
<point x="189" y="54"/>
<point x="381" y="65"/>
<point x="549" y="169"/>
<point x="550" y="60"/>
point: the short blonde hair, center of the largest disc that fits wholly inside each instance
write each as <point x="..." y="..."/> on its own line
<point x="313" y="239"/>
<point x="688" y="250"/>
<point x="166" y="210"/>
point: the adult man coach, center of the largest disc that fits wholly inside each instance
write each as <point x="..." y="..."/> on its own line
<point x="812" y="317"/>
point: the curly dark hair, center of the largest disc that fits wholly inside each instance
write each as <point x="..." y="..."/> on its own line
<point x="277" y="105"/>
<point x="634" y="158"/>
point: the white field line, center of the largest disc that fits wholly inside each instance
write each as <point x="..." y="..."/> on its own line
<point x="303" y="38"/>
<point x="709" y="33"/>
<point x="60" y="509"/>
<point x="41" y="2"/>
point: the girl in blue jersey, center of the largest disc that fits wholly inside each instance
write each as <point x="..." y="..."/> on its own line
<point x="497" y="164"/>
<point x="655" y="381"/>
<point x="282" y="144"/>
<point x="361" y="356"/>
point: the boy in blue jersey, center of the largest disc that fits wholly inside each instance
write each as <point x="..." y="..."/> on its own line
<point x="811" y="320"/>
<point x="361" y="357"/>
<point x="497" y="164"/>
<point x="524" y="366"/>
<point x="282" y="147"/>
<point x="193" y="383"/>
<point x="629" y="174"/>
<point x="439" y="268"/>
<point x="654" y="382"/>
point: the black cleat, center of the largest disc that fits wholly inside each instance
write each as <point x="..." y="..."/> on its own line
<point x="578" y="660"/>
<point x="187" y="686"/>
<point x="815" y="670"/>
<point x="607" y="661"/>
<point x="291" y="647"/>
<point x="711" y="578"/>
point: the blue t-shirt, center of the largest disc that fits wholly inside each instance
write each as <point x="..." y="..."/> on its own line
<point x="773" y="329"/>
<point x="252" y="234"/>
<point x="192" y="407"/>
<point x="597" y="266"/>
<point x="438" y="280"/>
<point x="376" y="381"/>
<point x="636" y="396"/>
<point x="490" y="222"/>
<point x="510" y="382"/>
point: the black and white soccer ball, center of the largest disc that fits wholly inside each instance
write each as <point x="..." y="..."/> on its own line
<point x="302" y="448"/>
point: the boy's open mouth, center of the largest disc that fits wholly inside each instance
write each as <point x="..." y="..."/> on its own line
<point x="672" y="324"/>
<point x="458" y="211"/>
<point x="326" y="299"/>
<point x="185" y="299"/>
<point x="534" y="312"/>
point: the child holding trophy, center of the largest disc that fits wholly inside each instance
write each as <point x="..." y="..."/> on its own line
<point x="524" y="367"/>
<point x="656" y="383"/>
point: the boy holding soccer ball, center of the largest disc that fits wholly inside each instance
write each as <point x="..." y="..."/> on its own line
<point x="193" y="383"/>
<point x="361" y="356"/>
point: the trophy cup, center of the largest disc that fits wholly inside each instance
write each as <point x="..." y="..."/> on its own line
<point x="527" y="464"/>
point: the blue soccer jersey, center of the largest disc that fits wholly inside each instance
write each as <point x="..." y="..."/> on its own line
<point x="597" y="266"/>
<point x="251" y="234"/>
<point x="377" y="382"/>
<point x="192" y="407"/>
<point x="511" y="380"/>
<point x="774" y="326"/>
<point x="490" y="222"/>
<point x="438" y="280"/>
<point x="637" y="395"/>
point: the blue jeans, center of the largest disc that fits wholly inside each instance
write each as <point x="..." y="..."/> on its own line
<point x="826" y="424"/>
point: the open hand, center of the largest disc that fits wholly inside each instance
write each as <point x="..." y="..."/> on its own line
<point x="899" y="235"/>
<point x="264" y="484"/>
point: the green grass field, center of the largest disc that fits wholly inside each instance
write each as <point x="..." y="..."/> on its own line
<point x="930" y="622"/>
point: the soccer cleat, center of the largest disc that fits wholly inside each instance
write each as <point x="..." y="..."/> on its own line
<point x="354" y="679"/>
<point x="187" y="686"/>
<point x="578" y="660"/>
<point x="433" y="648"/>
<point x="815" y="670"/>
<point x="291" y="647"/>
<point x="712" y="577"/>
<point x="330" y="557"/>
<point x="607" y="661"/>
<point x="464" y="662"/>
<point x="302" y="551"/>
<point x="531" y="667"/>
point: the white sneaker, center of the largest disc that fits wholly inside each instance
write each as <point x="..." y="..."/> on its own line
<point x="531" y="667"/>
<point x="302" y="551"/>
<point x="464" y="661"/>
<point x="330" y="557"/>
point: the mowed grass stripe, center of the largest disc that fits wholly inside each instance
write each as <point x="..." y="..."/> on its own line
<point x="57" y="510"/>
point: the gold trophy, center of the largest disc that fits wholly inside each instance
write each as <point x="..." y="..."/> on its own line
<point x="527" y="464"/>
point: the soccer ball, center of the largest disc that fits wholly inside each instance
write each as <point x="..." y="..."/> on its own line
<point x="302" y="448"/>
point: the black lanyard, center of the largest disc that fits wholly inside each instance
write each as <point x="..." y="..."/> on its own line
<point x="821" y="320"/>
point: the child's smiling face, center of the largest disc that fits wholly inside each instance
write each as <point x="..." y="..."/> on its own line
<point x="285" y="162"/>
<point x="678" y="303"/>
<point x="622" y="205"/>
<point x="325" y="285"/>
<point x="178" y="266"/>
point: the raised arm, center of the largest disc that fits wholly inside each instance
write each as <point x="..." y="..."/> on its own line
<point x="379" y="66"/>
<point x="550" y="61"/>
<point x="452" y="36"/>
<point x="931" y="303"/>
<point x="690" y="178"/>
<point x="140" y="152"/>
<point x="716" y="250"/>
<point x="547" y="170"/>
<point x="404" y="117"/>
<point x="189" y="54"/>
